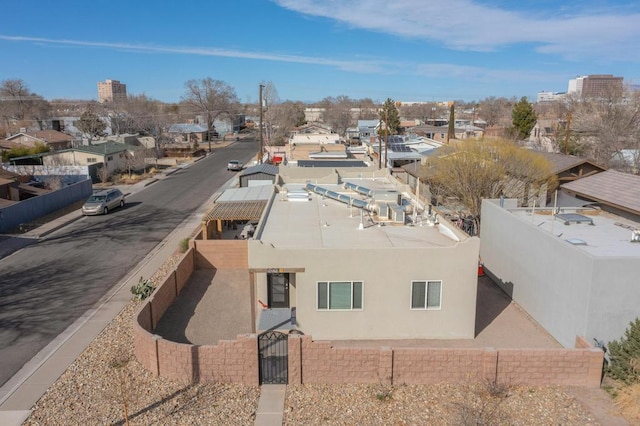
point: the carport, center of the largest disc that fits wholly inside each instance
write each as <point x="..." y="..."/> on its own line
<point x="224" y="215"/>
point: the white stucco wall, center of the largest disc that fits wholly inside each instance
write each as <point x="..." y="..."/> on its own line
<point x="568" y="291"/>
<point x="615" y="297"/>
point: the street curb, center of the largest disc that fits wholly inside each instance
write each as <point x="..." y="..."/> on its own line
<point x="73" y="217"/>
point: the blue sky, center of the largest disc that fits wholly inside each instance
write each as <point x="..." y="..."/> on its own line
<point x="407" y="50"/>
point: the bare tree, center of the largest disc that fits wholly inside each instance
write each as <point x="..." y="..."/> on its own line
<point x="212" y="99"/>
<point x="279" y="117"/>
<point x="338" y="114"/>
<point x="496" y="111"/>
<point x="605" y="127"/>
<point x="470" y="170"/>
<point x="423" y="111"/>
<point x="19" y="106"/>
<point x="367" y="109"/>
<point x="270" y="100"/>
<point x="90" y="124"/>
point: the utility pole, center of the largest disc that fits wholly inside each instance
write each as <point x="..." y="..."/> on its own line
<point x="379" y="151"/>
<point x="261" y="140"/>
<point x="566" y="134"/>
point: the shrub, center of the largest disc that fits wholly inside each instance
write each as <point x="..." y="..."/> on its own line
<point x="625" y="355"/>
<point x="482" y="404"/>
<point x="143" y="289"/>
<point x="184" y="245"/>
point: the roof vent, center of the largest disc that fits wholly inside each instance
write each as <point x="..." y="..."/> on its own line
<point x="576" y="241"/>
<point x="635" y="236"/>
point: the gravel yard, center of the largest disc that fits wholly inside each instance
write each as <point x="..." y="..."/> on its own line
<point x="106" y="380"/>
<point x="432" y="405"/>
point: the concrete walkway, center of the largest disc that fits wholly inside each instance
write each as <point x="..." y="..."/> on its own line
<point x="271" y="405"/>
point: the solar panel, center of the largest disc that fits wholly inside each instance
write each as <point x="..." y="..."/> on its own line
<point x="399" y="148"/>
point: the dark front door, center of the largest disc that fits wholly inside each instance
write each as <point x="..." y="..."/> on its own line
<point x="278" y="288"/>
<point x="273" y="358"/>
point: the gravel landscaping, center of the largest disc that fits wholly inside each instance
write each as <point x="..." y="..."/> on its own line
<point x="106" y="381"/>
<point x="432" y="405"/>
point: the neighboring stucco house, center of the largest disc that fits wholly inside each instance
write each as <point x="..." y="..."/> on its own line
<point x="315" y="134"/>
<point x="188" y="133"/>
<point x="349" y="254"/>
<point x="55" y="140"/>
<point x="575" y="272"/>
<point x="113" y="155"/>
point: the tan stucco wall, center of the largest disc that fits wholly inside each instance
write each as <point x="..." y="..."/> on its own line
<point x="387" y="276"/>
<point x="118" y="160"/>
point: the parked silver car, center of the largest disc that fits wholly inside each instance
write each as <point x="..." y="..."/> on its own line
<point x="103" y="201"/>
<point x="235" y="165"/>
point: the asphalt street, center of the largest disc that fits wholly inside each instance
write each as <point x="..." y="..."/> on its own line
<point x="46" y="286"/>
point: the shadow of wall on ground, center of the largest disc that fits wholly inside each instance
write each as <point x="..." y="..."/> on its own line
<point x="491" y="300"/>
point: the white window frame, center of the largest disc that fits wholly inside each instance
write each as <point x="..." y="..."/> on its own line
<point x="425" y="306"/>
<point x="328" y="296"/>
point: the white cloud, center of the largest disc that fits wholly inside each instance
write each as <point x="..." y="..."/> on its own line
<point x="468" y="25"/>
<point x="369" y="66"/>
<point x="353" y="66"/>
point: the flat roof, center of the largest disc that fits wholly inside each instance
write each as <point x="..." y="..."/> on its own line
<point x="251" y="193"/>
<point x="319" y="222"/>
<point x="609" y="236"/>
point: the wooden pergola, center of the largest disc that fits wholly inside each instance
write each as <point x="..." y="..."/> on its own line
<point x="229" y="211"/>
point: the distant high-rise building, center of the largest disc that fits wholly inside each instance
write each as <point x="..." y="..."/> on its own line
<point x="550" y="96"/>
<point x="110" y="90"/>
<point x="596" y="86"/>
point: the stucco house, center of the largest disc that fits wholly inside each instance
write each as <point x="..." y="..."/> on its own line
<point x="113" y="155"/>
<point x="55" y="140"/>
<point x="573" y="270"/>
<point x="314" y="134"/>
<point x="351" y="254"/>
<point x="188" y="133"/>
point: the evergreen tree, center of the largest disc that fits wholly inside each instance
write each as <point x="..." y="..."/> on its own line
<point x="451" y="131"/>
<point x="524" y="118"/>
<point x="391" y="117"/>
<point x="625" y="355"/>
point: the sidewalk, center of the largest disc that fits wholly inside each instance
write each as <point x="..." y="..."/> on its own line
<point x="23" y="390"/>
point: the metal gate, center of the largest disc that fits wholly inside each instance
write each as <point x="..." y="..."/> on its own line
<point x="273" y="358"/>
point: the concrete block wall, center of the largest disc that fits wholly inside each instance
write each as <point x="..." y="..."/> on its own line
<point x="295" y="359"/>
<point x="438" y="365"/>
<point x="184" y="269"/>
<point x="571" y="367"/>
<point x="322" y="363"/>
<point x="234" y="361"/>
<point x="221" y="254"/>
<point x="319" y="362"/>
<point x="162" y="297"/>
<point x="144" y="347"/>
<point x="176" y="360"/>
<point x="231" y="361"/>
